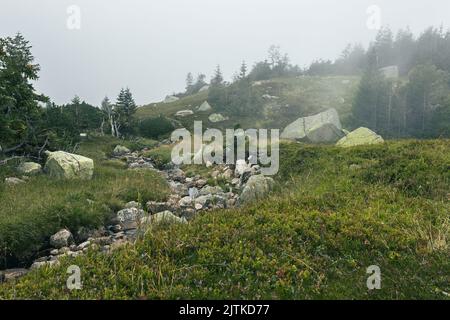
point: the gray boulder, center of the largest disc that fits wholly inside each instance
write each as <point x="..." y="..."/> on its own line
<point x="29" y="168"/>
<point x="64" y="165"/>
<point x="256" y="188"/>
<point x="120" y="150"/>
<point x="324" y="133"/>
<point x="129" y="218"/>
<point x="62" y="238"/>
<point x="298" y="129"/>
<point x="12" y="181"/>
<point x="205" y="106"/>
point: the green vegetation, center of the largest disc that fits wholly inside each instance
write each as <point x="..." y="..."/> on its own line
<point x="30" y="213"/>
<point x="335" y="212"/>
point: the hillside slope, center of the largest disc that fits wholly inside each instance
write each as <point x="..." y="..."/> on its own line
<point x="291" y="98"/>
<point x="335" y="212"/>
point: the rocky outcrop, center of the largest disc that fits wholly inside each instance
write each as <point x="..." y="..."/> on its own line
<point x="361" y="136"/>
<point x="29" y="168"/>
<point x="63" y="165"/>
<point x="299" y="129"/>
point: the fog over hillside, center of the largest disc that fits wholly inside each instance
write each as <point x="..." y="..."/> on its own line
<point x="151" y="45"/>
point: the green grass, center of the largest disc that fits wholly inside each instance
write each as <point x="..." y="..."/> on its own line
<point x="313" y="238"/>
<point x="298" y="97"/>
<point x="31" y="212"/>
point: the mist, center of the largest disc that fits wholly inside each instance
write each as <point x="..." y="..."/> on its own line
<point x="151" y="46"/>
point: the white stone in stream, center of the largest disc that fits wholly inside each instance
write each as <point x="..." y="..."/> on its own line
<point x="163" y="217"/>
<point x="241" y="167"/>
<point x="185" y="202"/>
<point x="62" y="238"/>
<point x="129" y="218"/>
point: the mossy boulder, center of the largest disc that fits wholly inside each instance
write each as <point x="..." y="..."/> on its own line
<point x="29" y="168"/>
<point x="64" y="165"/>
<point x="256" y="188"/>
<point x="361" y="136"/>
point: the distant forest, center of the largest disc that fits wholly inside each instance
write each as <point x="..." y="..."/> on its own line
<point x="416" y="104"/>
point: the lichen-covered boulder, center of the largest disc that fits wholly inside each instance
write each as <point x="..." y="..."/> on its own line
<point x="62" y="238"/>
<point x="298" y="129"/>
<point x="63" y="165"/>
<point x="29" y="168"/>
<point x="256" y="188"/>
<point x="120" y="150"/>
<point x="217" y="117"/>
<point x="361" y="136"/>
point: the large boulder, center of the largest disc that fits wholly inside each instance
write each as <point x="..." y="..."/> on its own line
<point x="217" y="117"/>
<point x="361" y="136"/>
<point x="205" y="106"/>
<point x="120" y="150"/>
<point x="29" y="168"/>
<point x="63" y="165"/>
<point x="298" y="129"/>
<point x="256" y="188"/>
<point x="324" y="133"/>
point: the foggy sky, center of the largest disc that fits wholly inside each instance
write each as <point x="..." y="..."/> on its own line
<point x="151" y="45"/>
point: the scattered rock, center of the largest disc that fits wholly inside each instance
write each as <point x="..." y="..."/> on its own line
<point x="120" y="151"/>
<point x="184" y="113"/>
<point x="205" y="106"/>
<point x="12" y="181"/>
<point x="63" y="165"/>
<point x="29" y="168"/>
<point x="163" y="217"/>
<point x="361" y="136"/>
<point x="133" y="204"/>
<point x="155" y="207"/>
<point x="129" y="218"/>
<point x="217" y="117"/>
<point x="256" y="188"/>
<point x="62" y="238"/>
